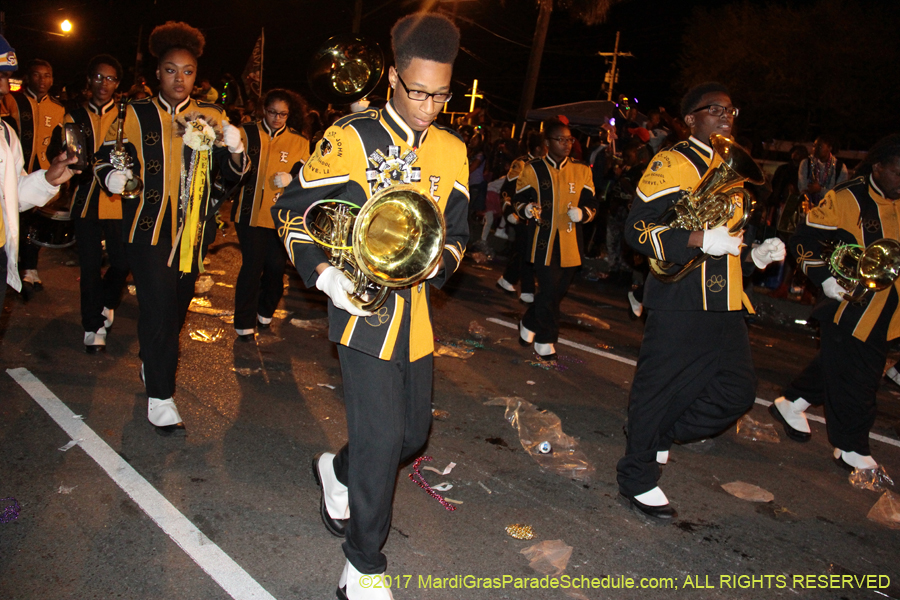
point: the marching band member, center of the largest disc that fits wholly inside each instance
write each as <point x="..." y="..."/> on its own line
<point x="846" y="372"/>
<point x="35" y="114"/>
<point x="97" y="215"/>
<point x="277" y="151"/>
<point x="519" y="267"/>
<point x="174" y="143"/>
<point x="558" y="194"/>
<point x="386" y="358"/>
<point x="695" y="373"/>
<point x="18" y="190"/>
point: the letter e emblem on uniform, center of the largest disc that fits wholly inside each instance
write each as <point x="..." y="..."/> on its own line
<point x="284" y="156"/>
<point x="434" y="179"/>
<point x="571" y="187"/>
<point x="47" y="121"/>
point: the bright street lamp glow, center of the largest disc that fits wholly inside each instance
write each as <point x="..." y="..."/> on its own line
<point x="66" y="26"/>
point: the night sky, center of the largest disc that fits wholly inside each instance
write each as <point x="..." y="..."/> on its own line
<point x="496" y="38"/>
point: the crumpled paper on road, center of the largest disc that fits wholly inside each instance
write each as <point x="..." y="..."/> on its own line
<point x="549" y="557"/>
<point x="203" y="284"/>
<point x="537" y="427"/>
<point x="886" y="511"/>
<point x="748" y="491"/>
<point x="750" y="429"/>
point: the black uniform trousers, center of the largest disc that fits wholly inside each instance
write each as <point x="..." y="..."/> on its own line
<point x="519" y="266"/>
<point x="164" y="295"/>
<point x="98" y="290"/>
<point x="260" y="282"/>
<point x="542" y="317"/>
<point x="844" y="376"/>
<point x="28" y="252"/>
<point x="388" y="419"/>
<point x="694" y="378"/>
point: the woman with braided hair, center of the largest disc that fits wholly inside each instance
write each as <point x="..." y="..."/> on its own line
<point x="176" y="146"/>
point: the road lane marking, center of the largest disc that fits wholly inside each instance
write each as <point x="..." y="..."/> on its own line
<point x="633" y="363"/>
<point x="236" y="582"/>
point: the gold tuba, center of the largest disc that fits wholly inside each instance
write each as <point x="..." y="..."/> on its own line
<point x="713" y="201"/>
<point x="395" y="240"/>
<point x="121" y="160"/>
<point x="859" y="270"/>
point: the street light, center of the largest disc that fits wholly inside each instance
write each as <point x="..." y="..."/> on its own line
<point x="66" y="26"/>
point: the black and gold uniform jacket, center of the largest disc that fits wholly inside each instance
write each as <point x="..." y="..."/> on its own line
<point x="556" y="188"/>
<point x="360" y="155"/>
<point x="717" y="285"/>
<point x="89" y="200"/>
<point x="34" y="119"/>
<point x="508" y="190"/>
<point x="160" y="157"/>
<point x="854" y="212"/>
<point x="270" y="153"/>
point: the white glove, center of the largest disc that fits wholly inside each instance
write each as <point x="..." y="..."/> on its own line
<point x="231" y="137"/>
<point x="575" y="214"/>
<point x="771" y="250"/>
<point x="435" y="271"/>
<point x="717" y="242"/>
<point x="833" y="289"/>
<point x="529" y="210"/>
<point x="336" y="286"/>
<point x="116" y="180"/>
<point x="512" y="219"/>
<point x="282" y="179"/>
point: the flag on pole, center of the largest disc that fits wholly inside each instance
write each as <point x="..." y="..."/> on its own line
<point x="253" y="71"/>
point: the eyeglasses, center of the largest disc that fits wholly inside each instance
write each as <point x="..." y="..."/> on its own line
<point x="563" y="140"/>
<point x="420" y="96"/>
<point x="277" y="115"/>
<point x="100" y="78"/>
<point x="717" y="110"/>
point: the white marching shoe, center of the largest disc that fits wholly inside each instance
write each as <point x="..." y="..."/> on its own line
<point x="526" y="336"/>
<point x="351" y="588"/>
<point x="526" y="297"/>
<point x="163" y="413"/>
<point x="792" y="416"/>
<point x="95" y="341"/>
<point x="853" y="460"/>
<point x="335" y="503"/>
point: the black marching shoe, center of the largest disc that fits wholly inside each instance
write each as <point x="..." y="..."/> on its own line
<point x="662" y="514"/>
<point x="334" y="526"/>
<point x="794" y="434"/>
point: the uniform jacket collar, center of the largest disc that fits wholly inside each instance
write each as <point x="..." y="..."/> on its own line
<point x="173" y="110"/>
<point x="268" y="130"/>
<point x="395" y="123"/>
<point x="554" y="164"/>
<point x="703" y="149"/>
<point x="32" y="95"/>
<point x="874" y="188"/>
<point x="101" y="110"/>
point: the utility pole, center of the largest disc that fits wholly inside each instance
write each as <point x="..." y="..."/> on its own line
<point x="612" y="76"/>
<point x="534" y="61"/>
<point x="357" y="16"/>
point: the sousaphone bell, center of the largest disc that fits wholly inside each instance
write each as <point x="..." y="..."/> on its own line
<point x="345" y="69"/>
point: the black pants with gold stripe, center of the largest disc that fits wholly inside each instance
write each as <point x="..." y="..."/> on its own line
<point x="388" y="406"/>
<point x="694" y="378"/>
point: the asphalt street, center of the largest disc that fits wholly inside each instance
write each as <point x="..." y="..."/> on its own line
<point x="232" y="511"/>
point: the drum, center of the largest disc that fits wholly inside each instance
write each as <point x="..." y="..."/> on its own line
<point x="52" y="227"/>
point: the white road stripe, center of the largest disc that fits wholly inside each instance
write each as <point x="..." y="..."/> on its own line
<point x="633" y="363"/>
<point x="236" y="582"/>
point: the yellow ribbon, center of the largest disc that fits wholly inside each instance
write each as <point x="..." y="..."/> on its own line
<point x="196" y="183"/>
